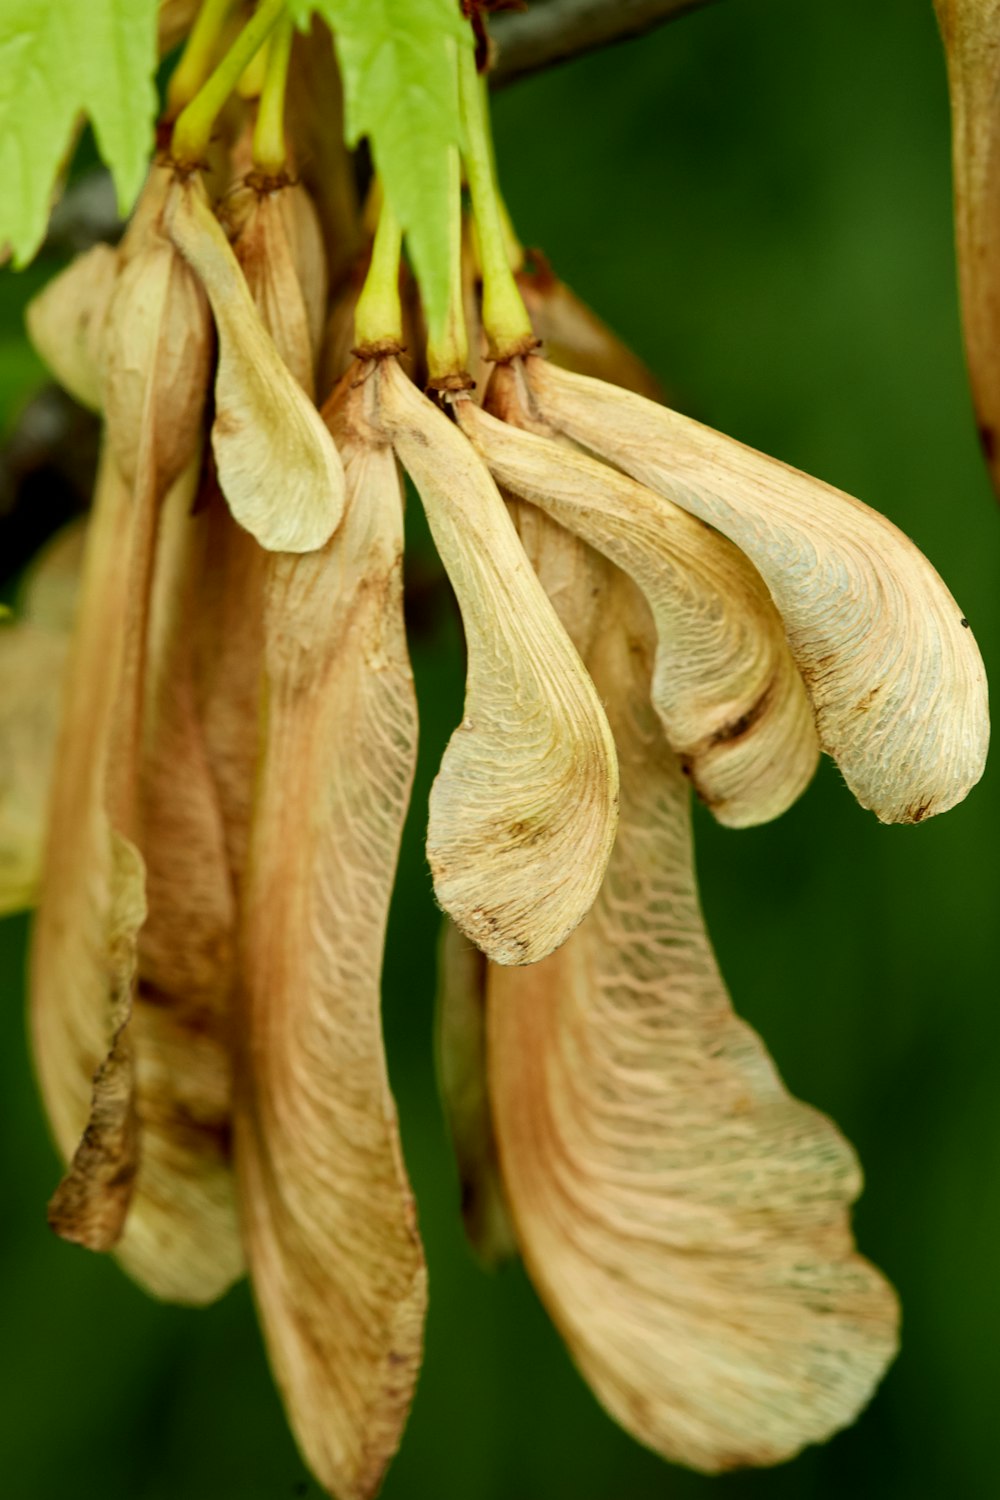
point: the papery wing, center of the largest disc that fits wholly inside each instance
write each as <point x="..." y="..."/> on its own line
<point x="684" y="1220"/>
<point x="894" y="673"/>
<point x="334" y="1252"/>
<point x="524" y="809"/>
<point x="725" y="684"/>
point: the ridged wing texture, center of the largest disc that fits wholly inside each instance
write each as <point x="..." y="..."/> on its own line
<point x="181" y="1238"/>
<point x="92" y="904"/>
<point x="227" y="669"/>
<point x="970" y="30"/>
<point x="329" y="1222"/>
<point x="278" y="467"/>
<point x="894" y="673"/>
<point x="725" y="683"/>
<point x="524" y="809"/>
<point x="684" y="1219"/>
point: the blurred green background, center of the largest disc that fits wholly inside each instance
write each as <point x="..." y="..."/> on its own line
<point x="758" y="198"/>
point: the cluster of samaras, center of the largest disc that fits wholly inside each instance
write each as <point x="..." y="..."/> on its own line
<point x="648" y="606"/>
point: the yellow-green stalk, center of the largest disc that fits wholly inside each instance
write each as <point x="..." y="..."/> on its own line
<point x="269" y="148"/>
<point x="199" y="54"/>
<point x="193" y="129"/>
<point x="378" y="317"/>
<point x="505" y="318"/>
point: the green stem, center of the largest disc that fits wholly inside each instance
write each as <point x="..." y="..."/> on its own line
<point x="448" y="341"/>
<point x="378" y="317"/>
<point x="515" y="250"/>
<point x="269" y="149"/>
<point x="251" y="84"/>
<point x="198" y="55"/>
<point x="505" y="319"/>
<point x="193" y="130"/>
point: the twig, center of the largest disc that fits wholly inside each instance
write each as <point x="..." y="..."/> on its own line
<point x="552" y="31"/>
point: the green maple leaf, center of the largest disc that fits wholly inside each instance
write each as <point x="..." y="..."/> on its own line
<point x="60" y="60"/>
<point x="397" y="59"/>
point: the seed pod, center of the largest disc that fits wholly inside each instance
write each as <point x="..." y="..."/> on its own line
<point x="524" y="808"/>
<point x="158" y="350"/>
<point x="678" y="1211"/>
<point x="725" y="685"/>
<point x="288" y="286"/>
<point x="277" y="464"/>
<point x="305" y="240"/>
<point x="317" y="1148"/>
<point x="181" y="1239"/>
<point x="894" y="673"/>
<point x="92" y="897"/>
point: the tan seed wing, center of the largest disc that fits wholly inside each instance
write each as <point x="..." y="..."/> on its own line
<point x="264" y="250"/>
<point x="34" y="648"/>
<point x="278" y="466"/>
<point x="157" y="346"/>
<point x="684" y="1219"/>
<point x="331" y="1232"/>
<point x="32" y="667"/>
<point x="305" y="240"/>
<point x="66" y="322"/>
<point x="524" y="809"/>
<point x="725" y="684"/>
<point x="92" y="904"/>
<point x="182" y="1239"/>
<point x="895" y="676"/>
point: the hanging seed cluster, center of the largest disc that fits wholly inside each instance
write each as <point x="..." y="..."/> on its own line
<point x="648" y="606"/>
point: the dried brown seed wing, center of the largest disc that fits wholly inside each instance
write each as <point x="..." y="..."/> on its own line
<point x="34" y="649"/>
<point x="182" y="1239"/>
<point x="264" y="251"/>
<point x="894" y="673"/>
<point x="330" y="1227"/>
<point x="277" y="464"/>
<point x="733" y="704"/>
<point x="157" y="347"/>
<point x="684" y="1219"/>
<point x="228" y="631"/>
<point x="575" y="576"/>
<point x="305" y="240"/>
<point x="83" y="957"/>
<point x="32" y="668"/>
<point x="90" y="1204"/>
<point x="576" y="580"/>
<point x="66" y="322"/>
<point x="524" y="809"/>
<point x="970" y="30"/>
<point x="460" y="1037"/>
